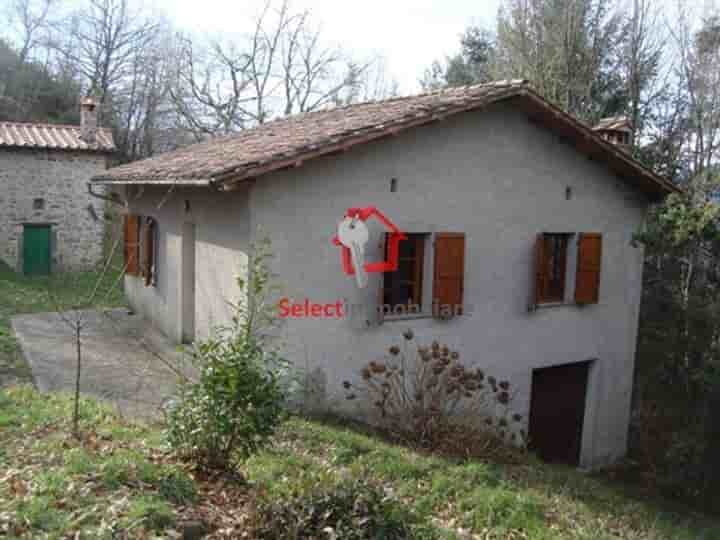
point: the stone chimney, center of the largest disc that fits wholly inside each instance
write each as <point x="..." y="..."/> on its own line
<point x="617" y="130"/>
<point x="88" y="119"/>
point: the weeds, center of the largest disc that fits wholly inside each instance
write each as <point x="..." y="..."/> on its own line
<point x="314" y="476"/>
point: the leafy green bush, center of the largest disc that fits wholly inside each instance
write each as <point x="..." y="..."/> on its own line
<point x="352" y="511"/>
<point x="236" y="404"/>
<point x="234" y="408"/>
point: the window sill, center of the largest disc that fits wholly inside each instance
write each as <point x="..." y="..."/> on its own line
<point x="547" y="305"/>
<point x="406" y="317"/>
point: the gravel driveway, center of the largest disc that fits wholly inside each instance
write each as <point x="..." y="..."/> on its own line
<point x="124" y="360"/>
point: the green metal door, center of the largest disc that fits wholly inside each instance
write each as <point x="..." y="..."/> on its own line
<point x="36" y="250"/>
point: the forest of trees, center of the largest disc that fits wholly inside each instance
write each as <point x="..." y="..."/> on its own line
<point x="652" y="61"/>
<point x="658" y="65"/>
<point x="160" y="87"/>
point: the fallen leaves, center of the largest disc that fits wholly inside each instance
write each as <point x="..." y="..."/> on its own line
<point x="53" y="485"/>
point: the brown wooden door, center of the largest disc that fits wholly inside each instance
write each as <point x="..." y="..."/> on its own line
<point x="557" y="411"/>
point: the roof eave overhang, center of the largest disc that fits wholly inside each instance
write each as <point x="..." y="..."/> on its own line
<point x="577" y="134"/>
<point x="589" y="143"/>
<point x="153" y="181"/>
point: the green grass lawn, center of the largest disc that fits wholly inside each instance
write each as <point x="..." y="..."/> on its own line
<point x="120" y="482"/>
<point x="53" y="486"/>
<point x="19" y="294"/>
<point x="120" y="478"/>
<point x="532" y="500"/>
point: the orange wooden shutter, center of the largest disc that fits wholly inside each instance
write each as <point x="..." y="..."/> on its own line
<point x="449" y="274"/>
<point x="587" y="277"/>
<point x="132" y="244"/>
<point x="149" y="250"/>
<point x="538" y="293"/>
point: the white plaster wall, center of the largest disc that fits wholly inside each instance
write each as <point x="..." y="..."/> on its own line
<point x="500" y="180"/>
<point x="222" y="236"/>
<point x="492" y="175"/>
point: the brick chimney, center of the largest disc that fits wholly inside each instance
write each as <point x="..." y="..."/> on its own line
<point x="617" y="130"/>
<point x="88" y="119"/>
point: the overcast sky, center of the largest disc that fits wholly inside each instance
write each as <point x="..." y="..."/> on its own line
<point x="409" y="34"/>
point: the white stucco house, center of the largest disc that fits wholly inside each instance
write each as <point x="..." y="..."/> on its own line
<point x="511" y="207"/>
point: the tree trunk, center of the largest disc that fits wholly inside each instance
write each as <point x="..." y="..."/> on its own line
<point x="76" y="412"/>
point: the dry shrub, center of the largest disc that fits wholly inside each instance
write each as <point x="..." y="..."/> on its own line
<point x="423" y="394"/>
<point x="459" y="441"/>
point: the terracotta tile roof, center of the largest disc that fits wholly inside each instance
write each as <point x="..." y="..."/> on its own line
<point x="614" y="122"/>
<point x="290" y="141"/>
<point x="52" y="136"/>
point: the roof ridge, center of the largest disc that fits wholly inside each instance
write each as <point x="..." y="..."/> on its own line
<point x="448" y="90"/>
<point x="296" y="117"/>
<point x="439" y="91"/>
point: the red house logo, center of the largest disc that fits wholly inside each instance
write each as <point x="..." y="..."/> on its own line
<point x="352" y="238"/>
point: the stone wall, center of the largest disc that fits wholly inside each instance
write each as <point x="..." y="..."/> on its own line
<point x="59" y="179"/>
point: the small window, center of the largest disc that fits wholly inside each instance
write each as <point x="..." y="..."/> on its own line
<point x="38" y="204"/>
<point x="551" y="267"/>
<point x="426" y="283"/>
<point x="403" y="289"/>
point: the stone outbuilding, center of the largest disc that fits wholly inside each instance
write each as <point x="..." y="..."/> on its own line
<point x="49" y="221"/>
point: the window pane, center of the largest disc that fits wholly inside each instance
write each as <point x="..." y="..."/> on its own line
<point x="404" y="286"/>
<point x="555" y="262"/>
<point x="407" y="247"/>
<point x="406" y="270"/>
<point x="400" y="294"/>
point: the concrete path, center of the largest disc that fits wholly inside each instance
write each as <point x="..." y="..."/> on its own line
<point x="124" y="360"/>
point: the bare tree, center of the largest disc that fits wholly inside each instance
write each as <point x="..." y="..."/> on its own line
<point x="73" y="313"/>
<point x="563" y="47"/>
<point x="314" y="76"/>
<point x="142" y="105"/>
<point x="282" y="67"/>
<point x="640" y="58"/>
<point x="31" y="18"/>
<point x="210" y="89"/>
<point x="376" y="82"/>
<point x="699" y="52"/>
<point x="32" y="85"/>
<point x="102" y="41"/>
<point x="123" y="56"/>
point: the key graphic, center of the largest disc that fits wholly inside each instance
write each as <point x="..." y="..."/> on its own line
<point x="352" y="237"/>
<point x="353" y="234"/>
